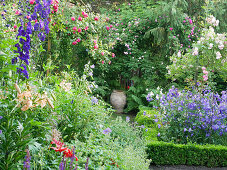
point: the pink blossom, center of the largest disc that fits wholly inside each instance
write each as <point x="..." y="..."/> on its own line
<point x="171" y="29"/>
<point x="17" y="12"/>
<point x="205" y="72"/>
<point x="102" y="62"/>
<point x="203" y="68"/>
<point x="190" y="21"/>
<point x="78" y="40"/>
<point x="108" y="28"/>
<point x="184" y="21"/>
<point x="102" y="53"/>
<point x="109" y="62"/>
<point x="74" y="32"/>
<point x="95" y="41"/>
<point x="14" y="26"/>
<point x="74" y="28"/>
<point x="96" y="46"/>
<point x="74" y="43"/>
<point x="32" y="2"/>
<point x="80" y="18"/>
<point x="205" y="77"/>
<point x="84" y="14"/>
<point x="73" y="18"/>
<point x="113" y="55"/>
<point x="111" y="26"/>
<point x="86" y="28"/>
<point x="96" y="18"/>
<point x="107" y="19"/>
<point x="27" y="16"/>
<point x="79" y="30"/>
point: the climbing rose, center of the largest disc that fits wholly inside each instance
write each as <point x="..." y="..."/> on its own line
<point x="95" y="46"/>
<point x="32" y="2"/>
<point x="80" y="18"/>
<point x="79" y="30"/>
<point x="108" y="28"/>
<point x="74" y="28"/>
<point x="102" y="53"/>
<point x="73" y="18"/>
<point x="171" y="29"/>
<point x="96" y="18"/>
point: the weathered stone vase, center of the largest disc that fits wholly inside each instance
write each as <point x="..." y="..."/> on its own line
<point x="118" y="100"/>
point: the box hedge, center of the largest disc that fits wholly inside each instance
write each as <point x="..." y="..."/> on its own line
<point x="163" y="153"/>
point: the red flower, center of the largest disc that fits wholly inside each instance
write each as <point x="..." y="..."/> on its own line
<point x="68" y="153"/>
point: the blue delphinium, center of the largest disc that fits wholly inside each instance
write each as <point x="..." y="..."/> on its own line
<point x="24" y="32"/>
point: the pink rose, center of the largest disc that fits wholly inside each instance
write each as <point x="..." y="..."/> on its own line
<point x="205" y="72"/>
<point x="113" y="55"/>
<point x="14" y="26"/>
<point x="74" y="43"/>
<point x="102" y="53"/>
<point x="203" y="68"/>
<point x="84" y="14"/>
<point x="86" y="28"/>
<point x="96" y="18"/>
<point x="32" y="2"/>
<point x="78" y="40"/>
<point x="96" y="46"/>
<point x="79" y="30"/>
<point x="108" y="28"/>
<point x="74" y="28"/>
<point x="80" y="18"/>
<point x="73" y="18"/>
<point x="17" y="12"/>
<point x="111" y="26"/>
<point x="171" y="29"/>
<point x="102" y="62"/>
<point x="95" y="41"/>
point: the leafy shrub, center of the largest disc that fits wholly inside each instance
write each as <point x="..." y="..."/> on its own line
<point x="163" y="153"/>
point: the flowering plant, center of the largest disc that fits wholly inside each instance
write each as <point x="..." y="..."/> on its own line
<point x="204" y="61"/>
<point x="193" y="116"/>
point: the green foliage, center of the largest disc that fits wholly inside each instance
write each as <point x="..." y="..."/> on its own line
<point x="163" y="153"/>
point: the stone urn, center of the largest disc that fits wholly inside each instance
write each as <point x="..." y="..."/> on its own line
<point x="118" y="100"/>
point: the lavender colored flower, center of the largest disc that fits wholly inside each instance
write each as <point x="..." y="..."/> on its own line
<point x="0" y="132"/>
<point x="94" y="100"/>
<point x="142" y="126"/>
<point x="144" y="113"/>
<point x="127" y="119"/>
<point x="1" y="117"/>
<point x="86" y="164"/>
<point x="107" y="131"/>
<point x="185" y="129"/>
<point x="93" y="66"/>
<point x="27" y="160"/>
<point x="156" y="120"/>
<point x="158" y="134"/>
<point x="159" y="126"/>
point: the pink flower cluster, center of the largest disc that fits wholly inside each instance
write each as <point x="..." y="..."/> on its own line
<point x="205" y="72"/>
<point x="55" y="5"/>
<point x="75" y="42"/>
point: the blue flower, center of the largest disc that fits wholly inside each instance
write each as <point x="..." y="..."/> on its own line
<point x="107" y="131"/>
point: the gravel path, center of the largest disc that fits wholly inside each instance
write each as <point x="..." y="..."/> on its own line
<point x="184" y="167"/>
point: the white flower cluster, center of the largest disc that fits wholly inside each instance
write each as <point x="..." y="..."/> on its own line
<point x="212" y="21"/>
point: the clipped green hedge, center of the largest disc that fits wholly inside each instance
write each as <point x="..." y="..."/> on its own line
<point x="163" y="153"/>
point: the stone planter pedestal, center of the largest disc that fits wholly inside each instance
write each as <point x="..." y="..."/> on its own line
<point x="118" y="100"/>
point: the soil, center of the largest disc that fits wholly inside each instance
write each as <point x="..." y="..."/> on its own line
<point x="183" y="167"/>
